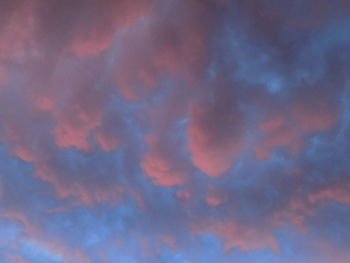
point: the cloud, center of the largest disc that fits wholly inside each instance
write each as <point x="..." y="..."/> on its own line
<point x="216" y="130"/>
<point x="174" y="131"/>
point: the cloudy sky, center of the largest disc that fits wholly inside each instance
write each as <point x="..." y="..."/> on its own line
<point x="174" y="131"/>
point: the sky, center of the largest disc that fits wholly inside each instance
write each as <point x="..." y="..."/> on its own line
<point x="174" y="131"/>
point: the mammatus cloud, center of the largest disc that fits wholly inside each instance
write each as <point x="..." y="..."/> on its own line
<point x="174" y="131"/>
<point x="216" y="133"/>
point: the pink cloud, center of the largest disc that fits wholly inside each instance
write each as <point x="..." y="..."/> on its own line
<point x="165" y="161"/>
<point x="162" y="171"/>
<point x="74" y="132"/>
<point x="315" y="116"/>
<point x="18" y="145"/>
<point x="34" y="232"/>
<point x="213" y="140"/>
<point x="108" y="142"/>
<point x="279" y="132"/>
<point x="289" y="130"/>
<point x="3" y="77"/>
<point x="184" y="195"/>
<point x="236" y="235"/>
<point x="213" y="199"/>
<point x="167" y="50"/>
<point x="108" y="18"/>
<point x="85" y="191"/>
<point x="45" y="103"/>
<point x="294" y="212"/>
<point x="162" y="165"/>
<point x="15" y="257"/>
<point x="339" y="193"/>
<point x="16" y="35"/>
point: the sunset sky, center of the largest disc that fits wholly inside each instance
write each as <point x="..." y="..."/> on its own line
<point x="174" y="131"/>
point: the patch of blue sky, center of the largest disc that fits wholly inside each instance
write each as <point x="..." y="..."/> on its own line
<point x="256" y="64"/>
<point x="39" y="253"/>
<point x="312" y="58"/>
<point x="9" y="232"/>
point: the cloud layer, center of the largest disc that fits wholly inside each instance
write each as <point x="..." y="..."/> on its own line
<point x="174" y="131"/>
